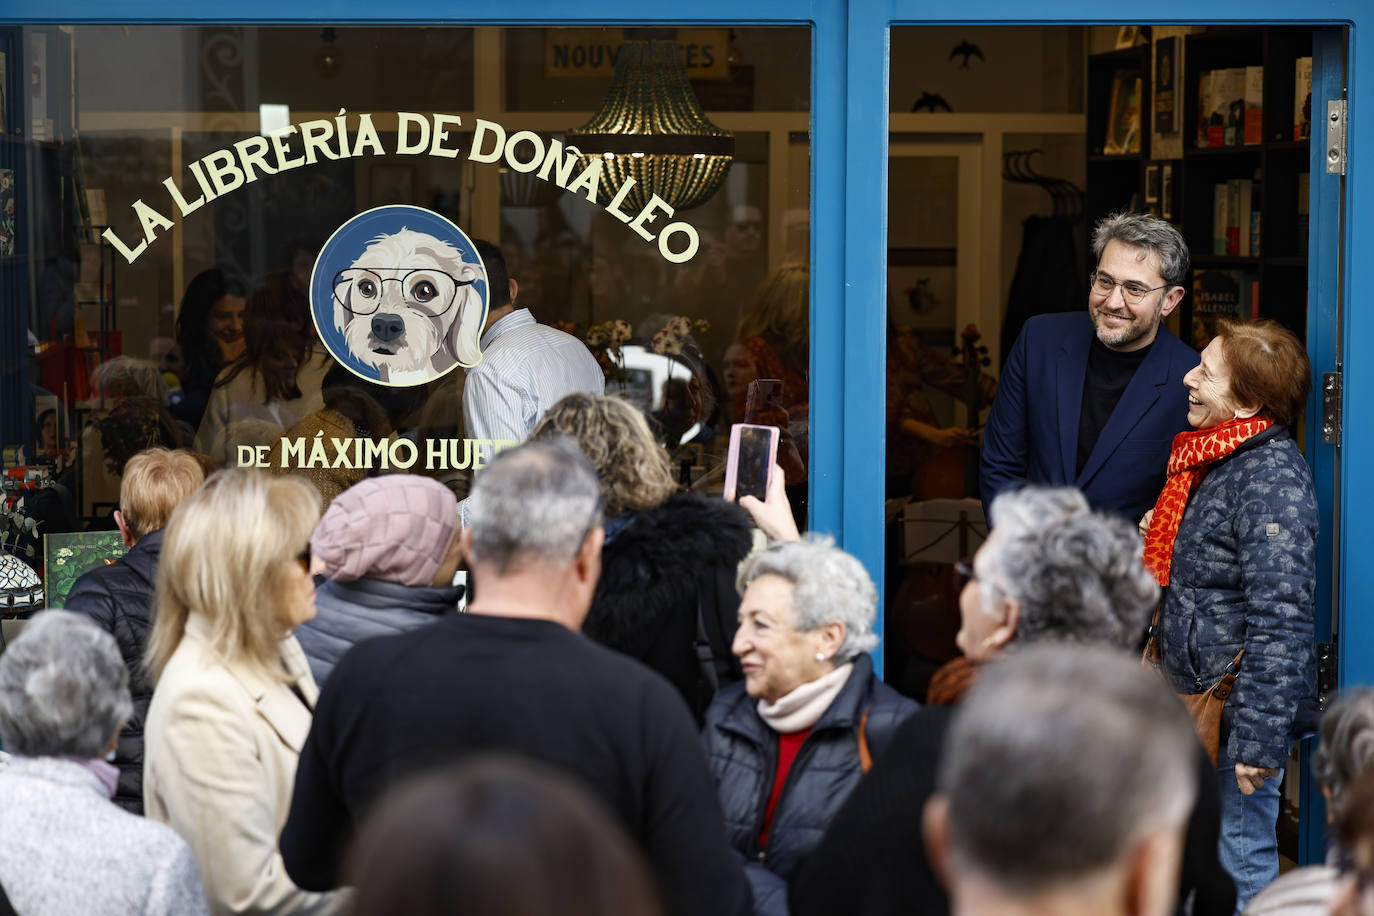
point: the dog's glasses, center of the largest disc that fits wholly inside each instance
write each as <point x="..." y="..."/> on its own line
<point x="430" y="291"/>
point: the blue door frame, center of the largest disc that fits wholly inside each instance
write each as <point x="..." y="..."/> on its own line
<point x="849" y="142"/>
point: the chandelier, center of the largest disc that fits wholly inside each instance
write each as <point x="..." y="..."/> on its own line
<point x="651" y="128"/>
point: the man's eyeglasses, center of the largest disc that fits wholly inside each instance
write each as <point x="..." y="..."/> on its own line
<point x="1133" y="292"/>
<point x="963" y="574"/>
<point x="429" y="291"/>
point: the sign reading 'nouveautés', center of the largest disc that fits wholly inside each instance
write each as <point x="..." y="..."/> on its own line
<point x="593" y="52"/>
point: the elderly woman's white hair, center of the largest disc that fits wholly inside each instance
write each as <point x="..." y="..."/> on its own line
<point x="1076" y="575"/>
<point x="64" y="689"/>
<point x="828" y="584"/>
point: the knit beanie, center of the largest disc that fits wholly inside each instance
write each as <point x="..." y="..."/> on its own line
<point x="397" y="528"/>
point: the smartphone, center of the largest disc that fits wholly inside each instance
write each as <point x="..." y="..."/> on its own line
<point x="749" y="464"/>
<point x="763" y="393"/>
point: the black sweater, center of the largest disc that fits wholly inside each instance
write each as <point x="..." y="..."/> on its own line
<point x="469" y="684"/>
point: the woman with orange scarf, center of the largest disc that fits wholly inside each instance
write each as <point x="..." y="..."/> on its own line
<point x="1233" y="539"/>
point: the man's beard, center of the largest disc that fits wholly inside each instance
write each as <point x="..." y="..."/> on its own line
<point x="1123" y="335"/>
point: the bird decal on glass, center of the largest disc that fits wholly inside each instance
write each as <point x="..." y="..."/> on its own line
<point x="967" y="50"/>
<point x="932" y="102"/>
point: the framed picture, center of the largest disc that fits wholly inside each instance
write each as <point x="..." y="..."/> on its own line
<point x="69" y="555"/>
<point x="391" y="184"/>
<point x="1126" y="36"/>
<point x="1152" y="183"/>
<point x="1123" y="117"/>
<point x="1166" y="191"/>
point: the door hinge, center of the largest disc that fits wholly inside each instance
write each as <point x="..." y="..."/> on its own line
<point x="1327" y="673"/>
<point x="1331" y="408"/>
<point x="1335" y="136"/>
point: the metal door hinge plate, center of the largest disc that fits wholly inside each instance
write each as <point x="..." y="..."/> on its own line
<point x="1331" y="408"/>
<point x="1327" y="672"/>
<point x="1335" y="136"/>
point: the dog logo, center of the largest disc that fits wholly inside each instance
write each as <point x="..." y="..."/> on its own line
<point x="399" y="296"/>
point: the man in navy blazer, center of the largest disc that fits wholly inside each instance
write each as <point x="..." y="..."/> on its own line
<point x="1094" y="400"/>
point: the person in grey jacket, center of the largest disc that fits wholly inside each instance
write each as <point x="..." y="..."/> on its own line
<point x="64" y="693"/>
<point x="788" y="745"/>
<point x="388" y="547"/>
<point x="1233" y="536"/>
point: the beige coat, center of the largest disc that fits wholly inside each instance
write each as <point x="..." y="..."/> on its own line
<point x="221" y="745"/>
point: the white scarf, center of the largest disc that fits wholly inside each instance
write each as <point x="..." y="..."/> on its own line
<point x="803" y="706"/>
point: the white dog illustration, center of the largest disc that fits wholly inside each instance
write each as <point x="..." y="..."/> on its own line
<point x="407" y="307"/>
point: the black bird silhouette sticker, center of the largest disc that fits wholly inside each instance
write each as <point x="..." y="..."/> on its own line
<point x="932" y="102"/>
<point x="967" y="50"/>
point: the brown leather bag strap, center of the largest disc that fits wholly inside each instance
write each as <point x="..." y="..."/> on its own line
<point x="865" y="757"/>
<point x="1227" y="682"/>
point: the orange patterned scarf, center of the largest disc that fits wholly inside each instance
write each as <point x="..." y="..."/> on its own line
<point x="1193" y="451"/>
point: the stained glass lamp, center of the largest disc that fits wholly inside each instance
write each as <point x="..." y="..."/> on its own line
<point x="651" y="128"/>
<point x="20" y="586"/>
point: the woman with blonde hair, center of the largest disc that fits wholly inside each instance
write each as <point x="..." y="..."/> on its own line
<point x="234" y="695"/>
<point x="666" y="594"/>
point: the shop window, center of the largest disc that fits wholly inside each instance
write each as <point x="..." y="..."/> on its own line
<point x="148" y="166"/>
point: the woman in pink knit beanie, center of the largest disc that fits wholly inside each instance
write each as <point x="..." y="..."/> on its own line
<point x="388" y="549"/>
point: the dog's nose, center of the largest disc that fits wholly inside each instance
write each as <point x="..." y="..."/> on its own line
<point x="387" y="326"/>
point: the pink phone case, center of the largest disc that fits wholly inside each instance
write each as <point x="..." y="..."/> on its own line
<point x="732" y="460"/>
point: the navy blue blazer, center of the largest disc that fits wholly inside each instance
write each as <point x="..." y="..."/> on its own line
<point x="1032" y="431"/>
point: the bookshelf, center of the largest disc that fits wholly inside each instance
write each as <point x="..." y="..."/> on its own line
<point x="1273" y="164"/>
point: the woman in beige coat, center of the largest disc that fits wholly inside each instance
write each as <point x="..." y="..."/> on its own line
<point x="234" y="696"/>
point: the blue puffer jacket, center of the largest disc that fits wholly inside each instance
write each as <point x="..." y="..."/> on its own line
<point x="346" y="613"/>
<point x="743" y="754"/>
<point x="1244" y="575"/>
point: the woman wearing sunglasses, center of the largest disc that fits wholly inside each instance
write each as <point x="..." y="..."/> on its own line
<point x="234" y="696"/>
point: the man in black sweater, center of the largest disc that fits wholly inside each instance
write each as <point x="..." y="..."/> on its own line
<point x="119" y="597"/>
<point x="515" y="675"/>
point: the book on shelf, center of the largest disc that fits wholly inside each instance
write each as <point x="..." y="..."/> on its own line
<point x="1204" y="108"/>
<point x="1253" y="131"/>
<point x="1302" y="98"/>
<point x="1255" y="233"/>
<point x="1220" y="202"/>
<point x="1232" y="219"/>
<point x="1221" y="293"/>
<point x="1225" y="123"/>
<point x="1239" y="198"/>
<point x="1123" y="117"/>
<point x="1167" y="102"/>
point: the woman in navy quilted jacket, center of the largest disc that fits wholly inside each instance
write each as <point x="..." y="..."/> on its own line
<point x="1233" y="537"/>
<point x="786" y="745"/>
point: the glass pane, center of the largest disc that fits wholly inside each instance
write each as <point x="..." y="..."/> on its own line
<point x="176" y="189"/>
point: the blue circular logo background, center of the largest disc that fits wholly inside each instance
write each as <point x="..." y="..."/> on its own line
<point x="348" y="243"/>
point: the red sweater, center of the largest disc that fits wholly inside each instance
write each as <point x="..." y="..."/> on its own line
<point x="788" y="746"/>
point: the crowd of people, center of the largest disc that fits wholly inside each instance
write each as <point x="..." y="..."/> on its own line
<point x="662" y="703"/>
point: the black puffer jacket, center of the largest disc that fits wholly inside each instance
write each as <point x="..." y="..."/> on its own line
<point x="654" y="570"/>
<point x="743" y="754"/>
<point x="119" y="598"/>
<point x="347" y="613"/>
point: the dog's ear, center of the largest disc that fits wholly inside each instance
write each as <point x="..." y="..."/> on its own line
<point x="465" y="333"/>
